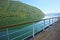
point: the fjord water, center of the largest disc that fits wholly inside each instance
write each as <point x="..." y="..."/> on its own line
<point x="20" y="34"/>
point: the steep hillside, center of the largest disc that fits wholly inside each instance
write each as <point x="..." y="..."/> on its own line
<point x="15" y="12"/>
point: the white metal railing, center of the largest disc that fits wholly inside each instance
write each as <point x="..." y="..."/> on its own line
<point x="54" y="19"/>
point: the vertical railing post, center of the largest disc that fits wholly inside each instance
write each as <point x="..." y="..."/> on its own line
<point x="33" y="30"/>
<point x="52" y="20"/>
<point x="55" y="19"/>
<point x="44" y="25"/>
<point x="7" y="34"/>
<point x="49" y="21"/>
<point x="58" y="18"/>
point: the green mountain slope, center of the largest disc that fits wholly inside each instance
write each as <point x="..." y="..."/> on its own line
<point x="15" y="12"/>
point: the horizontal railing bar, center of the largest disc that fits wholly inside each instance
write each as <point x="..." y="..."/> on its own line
<point x="26" y="37"/>
<point x="12" y="25"/>
<point x="13" y="32"/>
<point x="20" y="35"/>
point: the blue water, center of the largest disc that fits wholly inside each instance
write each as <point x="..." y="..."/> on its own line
<point x="24" y="33"/>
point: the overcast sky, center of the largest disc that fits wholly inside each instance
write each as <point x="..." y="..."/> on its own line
<point x="47" y="6"/>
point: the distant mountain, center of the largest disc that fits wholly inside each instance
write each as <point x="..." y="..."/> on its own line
<point x="15" y="12"/>
<point x="53" y="14"/>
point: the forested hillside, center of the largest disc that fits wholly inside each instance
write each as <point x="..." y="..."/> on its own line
<point x="15" y="12"/>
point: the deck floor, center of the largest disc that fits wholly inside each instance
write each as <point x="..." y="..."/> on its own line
<point x="52" y="33"/>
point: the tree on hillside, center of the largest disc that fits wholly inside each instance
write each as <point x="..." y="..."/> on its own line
<point x="4" y="5"/>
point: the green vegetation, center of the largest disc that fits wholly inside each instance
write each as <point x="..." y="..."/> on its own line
<point x="15" y="12"/>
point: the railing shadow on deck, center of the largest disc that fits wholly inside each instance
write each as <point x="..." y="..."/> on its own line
<point x="31" y="32"/>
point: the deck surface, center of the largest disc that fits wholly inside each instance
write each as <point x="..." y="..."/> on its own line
<point x="52" y="33"/>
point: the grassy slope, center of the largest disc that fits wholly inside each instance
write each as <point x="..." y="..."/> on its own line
<point x="18" y="12"/>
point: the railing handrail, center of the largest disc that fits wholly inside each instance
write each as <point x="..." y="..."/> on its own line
<point x="24" y="23"/>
